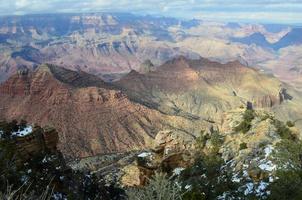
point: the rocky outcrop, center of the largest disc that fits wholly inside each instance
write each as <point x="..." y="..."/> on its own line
<point x="251" y="152"/>
<point x="39" y="141"/>
<point x="168" y="141"/>
<point x="170" y="153"/>
<point x="283" y="95"/>
<point x="146" y="67"/>
<point x="18" y="86"/>
<point x="266" y="101"/>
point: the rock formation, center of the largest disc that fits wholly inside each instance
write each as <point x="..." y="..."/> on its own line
<point x="91" y="116"/>
<point x="170" y="152"/>
<point x="40" y="140"/>
<point x="182" y="96"/>
<point x="202" y="88"/>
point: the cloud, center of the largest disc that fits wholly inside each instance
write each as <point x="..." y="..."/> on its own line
<point x="21" y="3"/>
<point x="287" y="11"/>
<point x="269" y="17"/>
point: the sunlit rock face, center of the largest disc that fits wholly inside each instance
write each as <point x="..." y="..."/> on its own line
<point x="91" y="116"/>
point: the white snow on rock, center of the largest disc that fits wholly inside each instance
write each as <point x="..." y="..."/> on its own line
<point x="249" y="188"/>
<point x="58" y="196"/>
<point x="144" y="154"/>
<point x="259" y="189"/>
<point x="178" y="170"/>
<point x="268" y="150"/>
<point x="21" y="133"/>
<point x="236" y="178"/>
<point x="188" y="187"/>
<point x="268" y="166"/>
<point x="44" y="160"/>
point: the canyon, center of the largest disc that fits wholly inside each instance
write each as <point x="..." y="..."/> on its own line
<point x="124" y="97"/>
<point x="110" y="45"/>
<point x="183" y="96"/>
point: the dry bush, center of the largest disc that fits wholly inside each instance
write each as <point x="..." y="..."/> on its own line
<point x="23" y="194"/>
<point x="160" y="187"/>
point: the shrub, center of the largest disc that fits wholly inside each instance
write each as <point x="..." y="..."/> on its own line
<point x="290" y="124"/>
<point x="216" y="140"/>
<point x="160" y="187"/>
<point x="262" y="145"/>
<point x="201" y="140"/>
<point x="207" y="179"/>
<point x="288" y="159"/>
<point x="287" y="186"/>
<point x="245" y="125"/>
<point x="265" y="117"/>
<point x="194" y="194"/>
<point x="283" y="131"/>
<point x="288" y="154"/>
<point x="243" y="146"/>
<point x="23" y="194"/>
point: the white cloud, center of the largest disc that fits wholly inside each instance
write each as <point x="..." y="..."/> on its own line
<point x="21" y="3"/>
<point x="261" y="10"/>
<point x="276" y="17"/>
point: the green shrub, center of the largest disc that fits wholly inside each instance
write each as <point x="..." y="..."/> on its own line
<point x="287" y="186"/>
<point x="290" y="124"/>
<point x="194" y="194"/>
<point x="265" y="117"/>
<point x="283" y="131"/>
<point x="287" y="156"/>
<point x="216" y="140"/>
<point x="262" y="145"/>
<point x="207" y="179"/>
<point x="242" y="146"/>
<point x="201" y="140"/>
<point x="245" y="125"/>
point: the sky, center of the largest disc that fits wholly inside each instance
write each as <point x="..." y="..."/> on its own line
<point x="268" y="11"/>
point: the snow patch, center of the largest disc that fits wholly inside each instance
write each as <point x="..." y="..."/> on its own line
<point x="178" y="170"/>
<point x="259" y="189"/>
<point x="249" y="188"/>
<point x="21" y="133"/>
<point x="44" y="160"/>
<point x="236" y="178"/>
<point x="268" y="166"/>
<point x="187" y="187"/>
<point x="268" y="150"/>
<point x="144" y="154"/>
